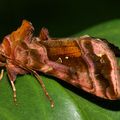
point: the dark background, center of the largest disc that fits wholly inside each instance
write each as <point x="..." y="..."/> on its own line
<point x="62" y="17"/>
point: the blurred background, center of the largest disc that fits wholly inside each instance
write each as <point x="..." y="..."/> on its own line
<point x="62" y="17"/>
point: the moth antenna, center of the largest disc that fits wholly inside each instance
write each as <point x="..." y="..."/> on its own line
<point x="1" y="74"/>
<point x="43" y="87"/>
<point x="14" y="91"/>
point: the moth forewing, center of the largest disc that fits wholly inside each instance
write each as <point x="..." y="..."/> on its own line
<point x="91" y="64"/>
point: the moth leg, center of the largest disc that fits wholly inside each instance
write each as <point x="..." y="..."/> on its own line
<point x="1" y="74"/>
<point x="44" y="89"/>
<point x="14" y="91"/>
<point x="12" y="76"/>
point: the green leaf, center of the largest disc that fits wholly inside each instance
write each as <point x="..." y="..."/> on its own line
<point x="108" y="30"/>
<point x="70" y="103"/>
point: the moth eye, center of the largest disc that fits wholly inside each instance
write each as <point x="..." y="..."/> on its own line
<point x="59" y="60"/>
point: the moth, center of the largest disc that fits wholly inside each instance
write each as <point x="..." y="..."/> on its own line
<point x="85" y="62"/>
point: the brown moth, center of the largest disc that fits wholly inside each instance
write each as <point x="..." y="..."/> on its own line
<point x="85" y="62"/>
